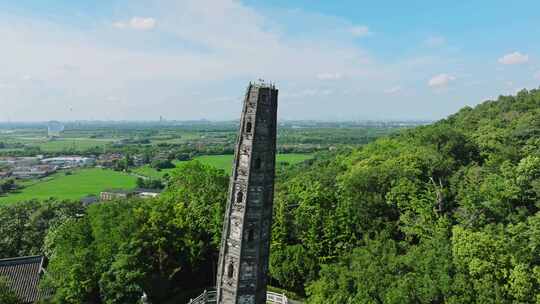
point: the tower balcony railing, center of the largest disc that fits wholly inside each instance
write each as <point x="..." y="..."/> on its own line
<point x="210" y="297"/>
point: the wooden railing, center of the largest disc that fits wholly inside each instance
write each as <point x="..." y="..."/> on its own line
<point x="205" y="297"/>
<point x="210" y="297"/>
<point x="277" y="298"/>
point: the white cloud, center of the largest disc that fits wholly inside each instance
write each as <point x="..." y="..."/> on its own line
<point x="329" y="76"/>
<point x="308" y="92"/>
<point x="441" y="80"/>
<point x="327" y="92"/>
<point x="537" y="75"/>
<point x="360" y="31"/>
<point x="137" y="23"/>
<point x="514" y="58"/>
<point x="69" y="68"/>
<point x="393" y="90"/>
<point x="205" y="47"/>
<point x="435" y="41"/>
<point x="120" y="24"/>
<point x="224" y="45"/>
<point x="517" y="90"/>
<point x="4" y="85"/>
<point x="113" y="99"/>
<point x="140" y="23"/>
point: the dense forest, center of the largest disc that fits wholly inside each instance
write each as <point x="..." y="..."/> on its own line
<point x="445" y="213"/>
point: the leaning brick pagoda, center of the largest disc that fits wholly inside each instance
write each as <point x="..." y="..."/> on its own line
<point x="244" y="253"/>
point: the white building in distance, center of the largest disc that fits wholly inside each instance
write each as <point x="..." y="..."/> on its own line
<point x="54" y="129"/>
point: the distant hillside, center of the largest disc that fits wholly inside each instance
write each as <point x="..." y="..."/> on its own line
<point x="509" y="122"/>
<point x="446" y="213"/>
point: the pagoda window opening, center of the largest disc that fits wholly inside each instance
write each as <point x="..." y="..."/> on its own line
<point x="251" y="235"/>
<point x="240" y="197"/>
<point x="230" y="270"/>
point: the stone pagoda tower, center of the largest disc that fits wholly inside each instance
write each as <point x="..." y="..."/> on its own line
<point x="245" y="244"/>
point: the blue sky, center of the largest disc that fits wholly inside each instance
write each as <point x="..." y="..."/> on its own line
<point x="332" y="60"/>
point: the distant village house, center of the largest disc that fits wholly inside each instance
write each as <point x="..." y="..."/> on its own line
<point x="118" y="194"/>
<point x="67" y="162"/>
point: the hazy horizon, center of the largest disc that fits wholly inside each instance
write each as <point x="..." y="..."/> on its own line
<point x="184" y="60"/>
<point x="203" y="120"/>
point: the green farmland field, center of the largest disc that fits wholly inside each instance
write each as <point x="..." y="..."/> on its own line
<point x="75" y="186"/>
<point x="223" y="162"/>
<point x="150" y="172"/>
<point x="77" y="144"/>
<point x="92" y="181"/>
<point x="60" y="144"/>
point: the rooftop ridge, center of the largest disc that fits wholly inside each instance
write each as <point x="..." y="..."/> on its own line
<point x="30" y="257"/>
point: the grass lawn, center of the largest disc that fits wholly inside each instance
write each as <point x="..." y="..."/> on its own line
<point x="92" y="181"/>
<point x="150" y="172"/>
<point x="10" y="150"/>
<point x="176" y="138"/>
<point x="62" y="144"/>
<point x="78" y="144"/>
<point x="223" y="162"/>
<point x="79" y="184"/>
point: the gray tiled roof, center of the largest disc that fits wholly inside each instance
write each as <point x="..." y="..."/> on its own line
<point x="22" y="275"/>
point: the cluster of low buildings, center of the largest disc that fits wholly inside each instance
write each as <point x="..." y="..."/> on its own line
<point x="108" y="160"/>
<point x="120" y="194"/>
<point x="115" y="194"/>
<point x="38" y="167"/>
<point x="68" y="162"/>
